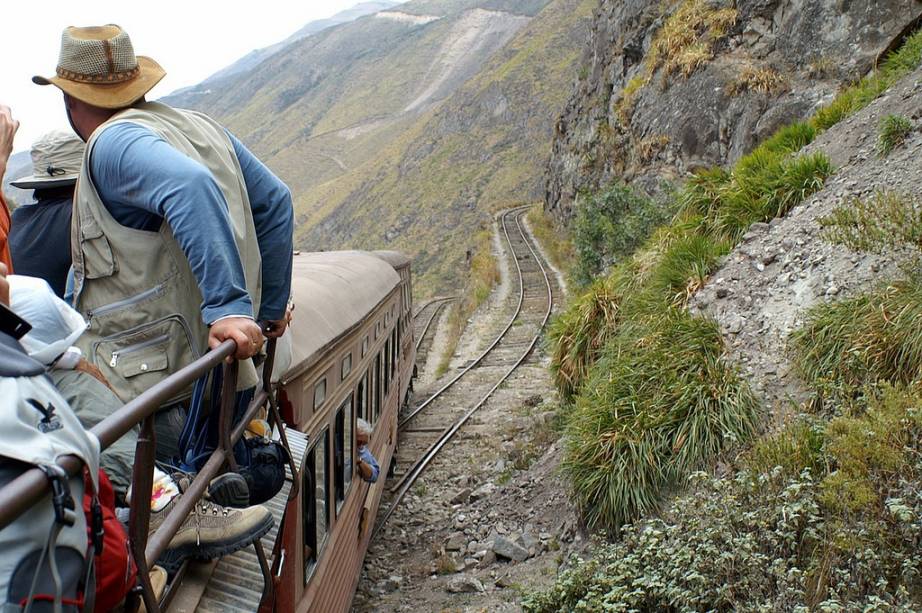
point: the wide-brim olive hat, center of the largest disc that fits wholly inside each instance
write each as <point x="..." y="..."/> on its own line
<point x="97" y="65"/>
<point x="56" y="159"/>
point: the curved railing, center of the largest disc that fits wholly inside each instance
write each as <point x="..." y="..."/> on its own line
<point x="26" y="490"/>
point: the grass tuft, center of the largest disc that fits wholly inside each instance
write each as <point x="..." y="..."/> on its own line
<point x="660" y="404"/>
<point x="688" y="37"/>
<point x="870" y="338"/>
<point x="886" y="221"/>
<point x="892" y="133"/>
<point x="762" y="80"/>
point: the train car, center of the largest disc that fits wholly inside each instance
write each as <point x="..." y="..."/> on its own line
<point x="350" y="356"/>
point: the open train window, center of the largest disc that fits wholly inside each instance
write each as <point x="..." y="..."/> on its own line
<point x="347" y="366"/>
<point x="360" y="397"/>
<point x="316" y="503"/>
<point x="342" y="452"/>
<point x="399" y="335"/>
<point x="320" y="393"/>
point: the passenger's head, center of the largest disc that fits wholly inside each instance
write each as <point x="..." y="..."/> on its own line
<point x="362" y="431"/>
<point x="56" y="158"/>
<point x="100" y="74"/>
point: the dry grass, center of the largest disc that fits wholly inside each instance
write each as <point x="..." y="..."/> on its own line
<point x="482" y="275"/>
<point x="762" y="80"/>
<point x="648" y="148"/>
<point x="554" y="240"/>
<point x="687" y="39"/>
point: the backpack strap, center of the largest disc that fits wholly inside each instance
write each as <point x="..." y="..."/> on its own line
<point x="64" y="515"/>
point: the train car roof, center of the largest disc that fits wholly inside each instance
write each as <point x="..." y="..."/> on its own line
<point x="396" y="259"/>
<point x="333" y="291"/>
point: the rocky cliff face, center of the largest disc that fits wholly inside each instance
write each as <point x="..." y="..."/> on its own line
<point x="665" y="91"/>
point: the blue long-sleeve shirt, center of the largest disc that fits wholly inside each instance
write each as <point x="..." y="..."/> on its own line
<point x="143" y="181"/>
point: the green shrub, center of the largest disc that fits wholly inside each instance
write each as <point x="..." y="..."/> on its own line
<point x="776" y="541"/>
<point x="660" y="402"/>
<point x="609" y="225"/>
<point x="893" y="131"/>
<point x="873" y="337"/>
<point x="888" y="220"/>
<point x="792" y="449"/>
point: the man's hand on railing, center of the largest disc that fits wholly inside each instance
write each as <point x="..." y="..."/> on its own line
<point x="242" y="330"/>
<point x="276" y="328"/>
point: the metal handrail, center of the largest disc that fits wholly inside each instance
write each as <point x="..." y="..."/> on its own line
<point x="26" y="490"/>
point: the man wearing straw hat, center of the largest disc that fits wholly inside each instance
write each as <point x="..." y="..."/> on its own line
<point x="179" y="232"/>
<point x="40" y="233"/>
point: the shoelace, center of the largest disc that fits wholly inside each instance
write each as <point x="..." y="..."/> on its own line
<point x="204" y="508"/>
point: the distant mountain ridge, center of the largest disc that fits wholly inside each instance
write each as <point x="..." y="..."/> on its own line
<point x="257" y="56"/>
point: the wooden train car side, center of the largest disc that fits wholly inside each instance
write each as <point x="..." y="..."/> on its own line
<point x="352" y="357"/>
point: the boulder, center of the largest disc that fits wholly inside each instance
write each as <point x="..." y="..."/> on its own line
<point x="465" y="584"/>
<point x="506" y="548"/>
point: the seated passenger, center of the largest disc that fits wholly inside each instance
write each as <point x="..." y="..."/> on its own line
<point x="367" y="464"/>
<point x="40" y="232"/>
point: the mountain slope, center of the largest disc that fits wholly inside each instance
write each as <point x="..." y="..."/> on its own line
<point x="436" y="112"/>
<point x="481" y="150"/>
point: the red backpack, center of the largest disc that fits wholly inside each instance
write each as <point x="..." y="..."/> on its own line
<point x="116" y="572"/>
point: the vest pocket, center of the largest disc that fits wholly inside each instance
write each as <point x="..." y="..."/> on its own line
<point x="98" y="260"/>
<point x="136" y="359"/>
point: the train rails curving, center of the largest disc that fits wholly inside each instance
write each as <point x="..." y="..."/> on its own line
<point x="443" y="416"/>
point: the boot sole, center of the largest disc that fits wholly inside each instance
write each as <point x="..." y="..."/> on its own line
<point x="229" y="490"/>
<point x="172" y="559"/>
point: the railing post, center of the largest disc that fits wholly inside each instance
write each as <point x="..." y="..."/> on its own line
<point x="139" y="514"/>
<point x="228" y="408"/>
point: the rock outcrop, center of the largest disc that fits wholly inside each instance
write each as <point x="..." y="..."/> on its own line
<point x="738" y="70"/>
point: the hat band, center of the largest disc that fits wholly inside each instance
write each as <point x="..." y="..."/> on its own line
<point x="112" y="77"/>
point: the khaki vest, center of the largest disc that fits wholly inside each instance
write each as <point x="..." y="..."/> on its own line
<point x="136" y="288"/>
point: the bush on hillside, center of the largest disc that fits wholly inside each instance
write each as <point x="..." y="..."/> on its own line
<point x="873" y="337"/>
<point x="885" y="222"/>
<point x="660" y="403"/>
<point x="893" y="132"/>
<point x="610" y="225"/>
<point x="777" y="540"/>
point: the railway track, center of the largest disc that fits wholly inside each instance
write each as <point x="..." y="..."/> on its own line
<point x="423" y="330"/>
<point x="431" y="424"/>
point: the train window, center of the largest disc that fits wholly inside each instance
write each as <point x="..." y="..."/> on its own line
<point x="364" y="346"/>
<point x="387" y="366"/>
<point x="376" y="405"/>
<point x="347" y="366"/>
<point x="399" y="335"/>
<point x="360" y="394"/>
<point x="320" y="393"/>
<point x="342" y="451"/>
<point x="316" y="506"/>
<point x="393" y="353"/>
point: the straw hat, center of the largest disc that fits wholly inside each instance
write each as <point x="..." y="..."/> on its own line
<point x="56" y="159"/>
<point x="98" y="66"/>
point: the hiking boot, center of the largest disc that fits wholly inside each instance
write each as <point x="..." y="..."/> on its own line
<point x="210" y="531"/>
<point x="227" y="490"/>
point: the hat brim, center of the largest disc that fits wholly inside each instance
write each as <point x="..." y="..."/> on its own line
<point x="37" y="182"/>
<point x="110" y="95"/>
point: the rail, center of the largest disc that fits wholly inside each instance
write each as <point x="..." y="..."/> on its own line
<point x="18" y="496"/>
<point x="435" y="312"/>
<point x="409" y="478"/>
<point x="518" y="309"/>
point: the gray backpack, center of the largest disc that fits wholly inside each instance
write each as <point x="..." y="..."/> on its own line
<point x="43" y="553"/>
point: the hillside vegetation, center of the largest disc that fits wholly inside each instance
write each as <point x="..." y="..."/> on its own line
<point x="824" y="511"/>
<point x="407" y="128"/>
